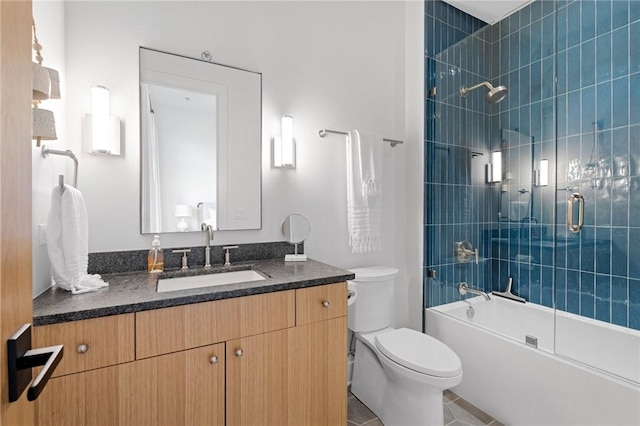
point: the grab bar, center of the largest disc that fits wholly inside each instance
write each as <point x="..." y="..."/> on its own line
<point x="572" y="198"/>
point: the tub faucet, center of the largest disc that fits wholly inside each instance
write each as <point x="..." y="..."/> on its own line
<point x="208" y="230"/>
<point x="463" y="289"/>
<point x="507" y="294"/>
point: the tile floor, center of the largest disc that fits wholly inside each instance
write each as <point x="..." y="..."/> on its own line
<point x="457" y="412"/>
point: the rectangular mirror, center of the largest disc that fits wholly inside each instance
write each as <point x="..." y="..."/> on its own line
<point x="200" y="144"/>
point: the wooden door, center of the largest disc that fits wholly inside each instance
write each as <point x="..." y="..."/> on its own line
<point x="257" y="380"/>
<point x="15" y="191"/>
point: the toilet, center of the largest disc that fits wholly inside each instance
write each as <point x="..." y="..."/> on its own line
<point x="399" y="374"/>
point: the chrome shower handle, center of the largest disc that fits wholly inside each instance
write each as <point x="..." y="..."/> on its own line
<point x="572" y="199"/>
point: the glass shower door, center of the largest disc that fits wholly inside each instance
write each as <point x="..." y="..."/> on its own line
<point x="597" y="276"/>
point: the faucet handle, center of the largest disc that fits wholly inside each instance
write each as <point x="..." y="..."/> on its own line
<point x="184" y="257"/>
<point x="227" y="256"/>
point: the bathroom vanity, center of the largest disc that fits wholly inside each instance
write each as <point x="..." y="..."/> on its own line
<point x="267" y="352"/>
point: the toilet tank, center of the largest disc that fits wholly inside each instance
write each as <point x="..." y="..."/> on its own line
<point x="373" y="306"/>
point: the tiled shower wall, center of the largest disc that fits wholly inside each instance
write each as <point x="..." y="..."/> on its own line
<point x="597" y="105"/>
<point x="458" y="205"/>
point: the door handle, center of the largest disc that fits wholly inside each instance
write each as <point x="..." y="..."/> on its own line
<point x="572" y="199"/>
<point x="21" y="359"/>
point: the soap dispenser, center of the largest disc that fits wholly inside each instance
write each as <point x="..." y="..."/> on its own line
<point x="155" y="260"/>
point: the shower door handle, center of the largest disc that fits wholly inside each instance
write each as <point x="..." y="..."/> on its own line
<point x="570" y="202"/>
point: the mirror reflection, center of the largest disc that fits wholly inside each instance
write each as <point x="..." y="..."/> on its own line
<point x="295" y="228"/>
<point x="200" y="128"/>
<point x="180" y="149"/>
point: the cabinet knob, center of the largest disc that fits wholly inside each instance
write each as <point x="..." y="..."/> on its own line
<point x="213" y="359"/>
<point x="239" y="353"/>
<point x="325" y="303"/>
<point x="83" y="348"/>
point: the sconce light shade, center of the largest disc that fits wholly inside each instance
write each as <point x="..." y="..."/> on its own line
<point x="542" y="174"/>
<point x="100" y="111"/>
<point x="43" y="125"/>
<point x="100" y="130"/>
<point x="494" y="169"/>
<point x="284" y="150"/>
<point x="54" y="79"/>
<point x="41" y="82"/>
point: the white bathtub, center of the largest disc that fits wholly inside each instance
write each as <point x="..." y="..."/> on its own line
<point x="589" y="376"/>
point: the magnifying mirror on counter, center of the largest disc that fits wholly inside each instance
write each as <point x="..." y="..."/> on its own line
<point x="295" y="229"/>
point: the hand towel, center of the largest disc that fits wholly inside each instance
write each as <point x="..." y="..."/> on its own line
<point x="518" y="210"/>
<point x="370" y="146"/>
<point x="68" y="242"/>
<point x="364" y="192"/>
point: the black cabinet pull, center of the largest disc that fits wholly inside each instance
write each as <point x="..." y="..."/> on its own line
<point x="21" y="359"/>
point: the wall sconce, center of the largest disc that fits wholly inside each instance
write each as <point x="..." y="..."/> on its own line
<point x="183" y="211"/>
<point x="101" y="131"/>
<point x="45" y="85"/>
<point x="542" y="174"/>
<point x="284" y="147"/>
<point x="494" y="169"/>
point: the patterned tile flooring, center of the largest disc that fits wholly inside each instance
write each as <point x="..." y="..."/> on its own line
<point x="457" y="412"/>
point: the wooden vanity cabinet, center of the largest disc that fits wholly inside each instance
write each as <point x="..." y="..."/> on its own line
<point x="275" y="359"/>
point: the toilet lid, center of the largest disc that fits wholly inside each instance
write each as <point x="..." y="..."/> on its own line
<point x="374" y="273"/>
<point x="419" y="352"/>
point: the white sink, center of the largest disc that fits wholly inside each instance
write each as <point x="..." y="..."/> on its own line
<point x="210" y="280"/>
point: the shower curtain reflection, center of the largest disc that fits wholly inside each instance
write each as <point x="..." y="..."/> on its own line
<point x="151" y="199"/>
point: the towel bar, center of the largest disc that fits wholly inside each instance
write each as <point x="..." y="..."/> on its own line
<point x="68" y="153"/>
<point x="323" y="132"/>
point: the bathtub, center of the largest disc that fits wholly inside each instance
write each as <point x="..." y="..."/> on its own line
<point x="516" y="371"/>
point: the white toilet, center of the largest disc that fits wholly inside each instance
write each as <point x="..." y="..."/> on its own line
<point x="399" y="374"/>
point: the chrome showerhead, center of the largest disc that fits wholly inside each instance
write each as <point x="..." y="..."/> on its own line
<point x="495" y="94"/>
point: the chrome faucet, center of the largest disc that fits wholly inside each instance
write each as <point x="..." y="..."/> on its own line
<point x="507" y="294"/>
<point x="208" y="230"/>
<point x="463" y="289"/>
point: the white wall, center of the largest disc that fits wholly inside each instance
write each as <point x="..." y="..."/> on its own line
<point x="49" y="18"/>
<point x="339" y="65"/>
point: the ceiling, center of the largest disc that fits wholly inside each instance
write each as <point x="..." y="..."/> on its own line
<point x="489" y="11"/>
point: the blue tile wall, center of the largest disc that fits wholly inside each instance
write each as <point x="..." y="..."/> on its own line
<point x="458" y="51"/>
<point x="588" y="126"/>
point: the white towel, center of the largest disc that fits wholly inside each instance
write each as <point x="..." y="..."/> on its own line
<point x="518" y="210"/>
<point x="68" y="242"/>
<point x="364" y="192"/>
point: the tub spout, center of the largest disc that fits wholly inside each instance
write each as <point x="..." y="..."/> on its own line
<point x="507" y="294"/>
<point x="463" y="289"/>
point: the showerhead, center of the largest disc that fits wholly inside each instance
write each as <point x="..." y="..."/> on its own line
<point x="495" y="94"/>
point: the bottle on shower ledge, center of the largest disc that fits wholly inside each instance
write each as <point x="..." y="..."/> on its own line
<point x="155" y="260"/>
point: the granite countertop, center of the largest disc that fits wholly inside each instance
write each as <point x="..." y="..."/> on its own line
<point x="136" y="291"/>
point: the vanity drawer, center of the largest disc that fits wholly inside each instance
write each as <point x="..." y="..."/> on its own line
<point x="178" y="328"/>
<point x="89" y="344"/>
<point x="321" y="303"/>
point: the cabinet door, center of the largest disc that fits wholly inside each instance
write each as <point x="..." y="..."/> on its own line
<point x="184" y="388"/>
<point x="290" y="377"/>
<point x="89" y="398"/>
<point x="318" y="373"/>
<point x="257" y="379"/>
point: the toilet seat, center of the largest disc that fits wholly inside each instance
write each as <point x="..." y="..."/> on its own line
<point x="419" y="352"/>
